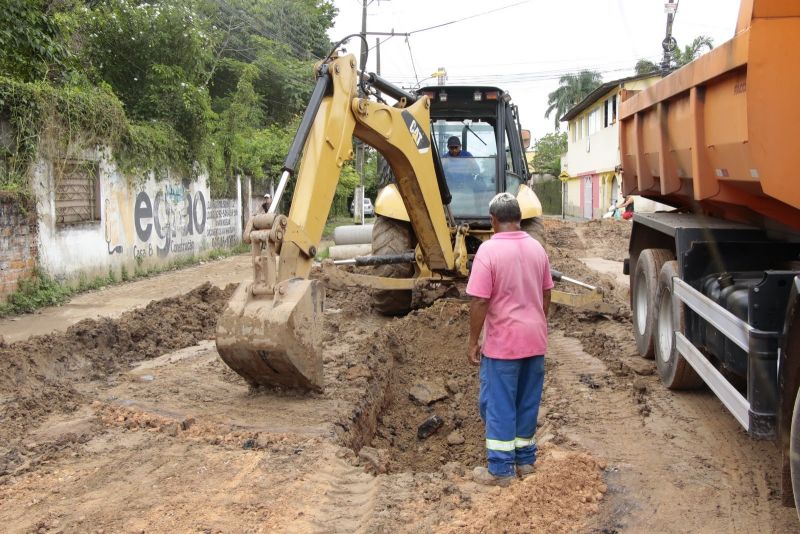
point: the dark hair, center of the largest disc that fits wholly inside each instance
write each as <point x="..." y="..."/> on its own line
<point x="505" y="208"/>
<point x="453" y="141"/>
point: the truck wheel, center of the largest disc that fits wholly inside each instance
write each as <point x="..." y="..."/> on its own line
<point x="644" y="288"/>
<point x="794" y="452"/>
<point x="534" y="227"/>
<point x="674" y="370"/>
<point x="390" y="236"/>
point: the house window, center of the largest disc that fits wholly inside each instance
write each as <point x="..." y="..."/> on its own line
<point x="590" y="123"/>
<point x="573" y="127"/>
<point x="77" y="192"/>
<point x="613" y="109"/>
<point x="606" y="113"/>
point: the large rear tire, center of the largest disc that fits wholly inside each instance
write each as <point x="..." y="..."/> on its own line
<point x="794" y="452"/>
<point x="674" y="370"/>
<point x="390" y="236"/>
<point x="534" y="227"/>
<point x="644" y="288"/>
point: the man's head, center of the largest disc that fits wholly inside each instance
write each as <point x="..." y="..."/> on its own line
<point x="454" y="145"/>
<point x="504" y="211"/>
<point x="267" y="197"/>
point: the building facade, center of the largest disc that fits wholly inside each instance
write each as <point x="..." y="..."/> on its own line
<point x="591" y="171"/>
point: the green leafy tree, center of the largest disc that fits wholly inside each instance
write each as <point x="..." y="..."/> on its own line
<point x="547" y="153"/>
<point x="571" y="90"/>
<point x="32" y="43"/>
<point x="645" y="66"/>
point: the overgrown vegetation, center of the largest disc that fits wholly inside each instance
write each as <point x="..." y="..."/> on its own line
<point x="41" y="290"/>
<point x="180" y="84"/>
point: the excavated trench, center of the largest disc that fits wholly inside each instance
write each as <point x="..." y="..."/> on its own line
<point x="392" y="375"/>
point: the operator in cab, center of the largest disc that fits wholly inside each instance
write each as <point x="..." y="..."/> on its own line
<point x="459" y="166"/>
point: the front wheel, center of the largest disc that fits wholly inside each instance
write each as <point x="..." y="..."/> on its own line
<point x="391" y="236"/>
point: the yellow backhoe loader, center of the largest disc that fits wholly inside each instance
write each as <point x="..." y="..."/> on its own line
<point x="431" y="219"/>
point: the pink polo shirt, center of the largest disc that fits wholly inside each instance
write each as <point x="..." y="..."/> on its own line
<point x="512" y="271"/>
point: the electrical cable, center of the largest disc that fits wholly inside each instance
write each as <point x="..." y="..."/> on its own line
<point x="413" y="65"/>
<point x="469" y="17"/>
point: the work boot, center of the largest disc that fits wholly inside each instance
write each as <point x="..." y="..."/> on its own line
<point x="524" y="470"/>
<point x="481" y="475"/>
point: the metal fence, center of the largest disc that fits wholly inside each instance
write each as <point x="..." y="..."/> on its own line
<point x="549" y="194"/>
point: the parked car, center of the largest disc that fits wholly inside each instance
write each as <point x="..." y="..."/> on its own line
<point x="369" y="210"/>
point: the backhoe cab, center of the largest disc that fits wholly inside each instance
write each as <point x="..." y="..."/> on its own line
<point x="491" y="160"/>
<point x="431" y="218"/>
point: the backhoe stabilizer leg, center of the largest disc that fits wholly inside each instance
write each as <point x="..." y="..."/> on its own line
<point x="275" y="340"/>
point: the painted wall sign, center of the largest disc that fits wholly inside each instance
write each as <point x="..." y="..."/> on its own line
<point x="172" y="218"/>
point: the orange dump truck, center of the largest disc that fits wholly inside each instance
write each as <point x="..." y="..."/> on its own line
<point x="715" y="284"/>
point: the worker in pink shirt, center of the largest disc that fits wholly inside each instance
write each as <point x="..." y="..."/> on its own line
<point x="510" y="284"/>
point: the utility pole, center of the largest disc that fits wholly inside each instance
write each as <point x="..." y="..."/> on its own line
<point x="358" y="208"/>
<point x="669" y="44"/>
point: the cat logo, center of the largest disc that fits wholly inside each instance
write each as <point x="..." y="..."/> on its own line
<point x="417" y="133"/>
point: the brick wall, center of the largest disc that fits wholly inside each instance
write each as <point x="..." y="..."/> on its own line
<point x="18" y="244"/>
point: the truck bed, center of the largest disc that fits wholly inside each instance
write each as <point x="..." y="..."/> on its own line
<point x="720" y="135"/>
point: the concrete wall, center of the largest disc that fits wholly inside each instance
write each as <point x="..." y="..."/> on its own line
<point x="18" y="245"/>
<point x="142" y="222"/>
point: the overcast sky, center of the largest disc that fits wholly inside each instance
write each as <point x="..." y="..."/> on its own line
<point x="525" y="47"/>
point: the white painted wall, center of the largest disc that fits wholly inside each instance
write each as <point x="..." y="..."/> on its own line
<point x="142" y="223"/>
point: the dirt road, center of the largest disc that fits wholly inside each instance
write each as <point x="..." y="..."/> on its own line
<point x="131" y="423"/>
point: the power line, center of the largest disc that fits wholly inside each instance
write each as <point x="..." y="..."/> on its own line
<point x="469" y="17"/>
<point x="408" y="42"/>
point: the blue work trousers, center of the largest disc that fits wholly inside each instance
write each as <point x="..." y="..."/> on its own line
<point x="509" y="404"/>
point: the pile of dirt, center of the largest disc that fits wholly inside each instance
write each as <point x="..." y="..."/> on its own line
<point x="42" y="374"/>
<point x="606" y="238"/>
<point x="565" y="488"/>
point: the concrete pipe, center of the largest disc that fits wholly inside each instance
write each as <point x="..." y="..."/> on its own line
<point x="355" y="234"/>
<point x="346" y="252"/>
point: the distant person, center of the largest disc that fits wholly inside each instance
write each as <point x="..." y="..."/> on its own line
<point x="510" y="287"/>
<point x="459" y="170"/>
<point x="266" y="203"/>
<point x="626" y="205"/>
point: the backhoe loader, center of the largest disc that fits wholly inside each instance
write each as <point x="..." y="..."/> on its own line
<point x="431" y="218"/>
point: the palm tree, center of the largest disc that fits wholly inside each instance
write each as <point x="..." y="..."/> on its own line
<point x="572" y="88"/>
<point x="692" y="51"/>
<point x="679" y="58"/>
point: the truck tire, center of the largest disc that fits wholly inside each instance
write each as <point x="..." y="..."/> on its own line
<point x="534" y="227"/>
<point x="390" y="236"/>
<point x="644" y="285"/>
<point x="674" y="370"/>
<point x="794" y="452"/>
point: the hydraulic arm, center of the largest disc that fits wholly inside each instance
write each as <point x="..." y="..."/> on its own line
<point x="269" y="332"/>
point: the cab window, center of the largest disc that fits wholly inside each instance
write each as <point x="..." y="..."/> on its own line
<point x="471" y="177"/>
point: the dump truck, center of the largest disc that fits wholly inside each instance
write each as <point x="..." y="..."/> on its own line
<point x="715" y="283"/>
<point x="270" y="331"/>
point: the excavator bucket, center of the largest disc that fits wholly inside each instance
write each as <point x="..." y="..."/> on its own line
<point x="274" y="339"/>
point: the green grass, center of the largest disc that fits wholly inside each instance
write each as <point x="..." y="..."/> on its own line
<point x="41" y="291"/>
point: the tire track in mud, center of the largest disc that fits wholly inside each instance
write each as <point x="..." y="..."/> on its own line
<point x="342" y="499"/>
<point x="689" y="454"/>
